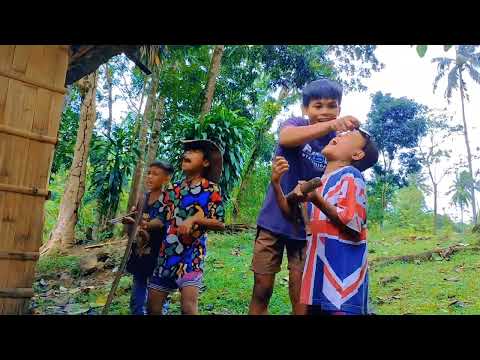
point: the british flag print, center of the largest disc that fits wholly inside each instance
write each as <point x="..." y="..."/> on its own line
<point x="336" y="268"/>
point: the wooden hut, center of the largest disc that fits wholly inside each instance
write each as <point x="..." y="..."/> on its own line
<point x="32" y="90"/>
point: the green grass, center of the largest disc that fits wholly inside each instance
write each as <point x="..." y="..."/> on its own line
<point x="49" y="266"/>
<point x="422" y="289"/>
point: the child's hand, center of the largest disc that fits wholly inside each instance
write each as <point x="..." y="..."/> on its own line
<point x="128" y="220"/>
<point x="279" y="167"/>
<point x="186" y="227"/>
<point x="296" y="194"/>
<point x="345" y="123"/>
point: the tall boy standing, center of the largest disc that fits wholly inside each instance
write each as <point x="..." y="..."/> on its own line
<point x="301" y="142"/>
<point x="335" y="278"/>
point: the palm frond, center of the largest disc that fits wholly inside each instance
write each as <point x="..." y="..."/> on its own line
<point x="474" y="73"/>
<point x="452" y="82"/>
<point x="442" y="67"/>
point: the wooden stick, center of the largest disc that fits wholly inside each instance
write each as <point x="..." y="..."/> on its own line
<point x="126" y="255"/>
<point x="105" y="244"/>
<point x="120" y="218"/>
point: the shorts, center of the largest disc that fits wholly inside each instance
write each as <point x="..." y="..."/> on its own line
<point x="194" y="278"/>
<point x="317" y="310"/>
<point x="268" y="252"/>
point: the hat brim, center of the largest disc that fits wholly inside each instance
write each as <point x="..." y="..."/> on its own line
<point x="215" y="157"/>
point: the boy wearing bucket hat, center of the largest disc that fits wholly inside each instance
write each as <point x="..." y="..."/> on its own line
<point x="193" y="206"/>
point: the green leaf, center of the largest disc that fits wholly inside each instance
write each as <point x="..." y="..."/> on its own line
<point x="421" y="50"/>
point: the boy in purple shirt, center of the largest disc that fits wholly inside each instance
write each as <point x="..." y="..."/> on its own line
<point x="301" y="142"/>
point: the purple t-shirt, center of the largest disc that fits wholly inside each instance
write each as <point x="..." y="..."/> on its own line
<point x="306" y="162"/>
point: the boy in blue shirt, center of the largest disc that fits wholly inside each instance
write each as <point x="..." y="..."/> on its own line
<point x="152" y="228"/>
<point x="335" y="277"/>
<point x="301" y="143"/>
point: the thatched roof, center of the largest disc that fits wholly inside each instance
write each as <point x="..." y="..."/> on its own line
<point x="85" y="59"/>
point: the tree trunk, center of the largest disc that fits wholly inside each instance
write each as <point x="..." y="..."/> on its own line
<point x="461" y="217"/>
<point x="212" y="80"/>
<point x="435" y="194"/>
<point x="155" y="137"/>
<point x="108" y="76"/>
<point x="137" y="175"/>
<point x="250" y="165"/>
<point x="63" y="235"/>
<point x="469" y="154"/>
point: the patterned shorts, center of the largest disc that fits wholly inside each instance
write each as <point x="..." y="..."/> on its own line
<point x="194" y="278"/>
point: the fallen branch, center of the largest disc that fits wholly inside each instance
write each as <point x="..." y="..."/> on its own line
<point x="105" y="244"/>
<point x="239" y="227"/>
<point x="424" y="256"/>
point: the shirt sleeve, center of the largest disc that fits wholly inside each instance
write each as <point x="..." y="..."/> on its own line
<point x="293" y="122"/>
<point x="165" y="212"/>
<point x="215" y="205"/>
<point x="351" y="202"/>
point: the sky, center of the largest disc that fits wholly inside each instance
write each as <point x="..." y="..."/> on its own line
<point x="404" y="74"/>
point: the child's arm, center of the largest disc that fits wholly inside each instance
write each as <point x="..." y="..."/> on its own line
<point x="214" y="220"/>
<point x="279" y="167"/>
<point x="332" y="213"/>
<point x="292" y="136"/>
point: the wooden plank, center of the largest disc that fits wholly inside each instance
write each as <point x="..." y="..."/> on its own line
<point x="21" y="57"/>
<point x="3" y="97"/>
<point x="16" y="292"/>
<point x="19" y="255"/>
<point x="27" y="135"/>
<point x="6" y="57"/>
<point x="22" y="78"/>
<point x="24" y="190"/>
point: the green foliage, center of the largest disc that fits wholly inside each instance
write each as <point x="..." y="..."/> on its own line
<point x="67" y="132"/>
<point x="227" y="129"/>
<point x="250" y="200"/>
<point x="113" y="159"/>
<point x="50" y="266"/>
<point x="409" y="210"/>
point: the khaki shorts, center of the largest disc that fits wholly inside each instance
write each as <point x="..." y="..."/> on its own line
<point x="268" y="252"/>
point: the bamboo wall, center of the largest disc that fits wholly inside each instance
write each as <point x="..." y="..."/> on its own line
<point x="32" y="92"/>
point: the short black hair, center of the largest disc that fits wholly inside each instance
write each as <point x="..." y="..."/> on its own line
<point x="371" y="153"/>
<point x="162" y="165"/>
<point x="322" y="89"/>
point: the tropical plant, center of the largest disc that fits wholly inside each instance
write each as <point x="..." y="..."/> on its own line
<point x="461" y="195"/>
<point x="396" y="124"/>
<point x="113" y="159"/>
<point x="230" y="131"/>
<point x="467" y="60"/>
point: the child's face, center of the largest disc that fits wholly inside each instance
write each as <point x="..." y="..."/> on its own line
<point x="194" y="162"/>
<point x="156" y="177"/>
<point x="319" y="110"/>
<point x="347" y="146"/>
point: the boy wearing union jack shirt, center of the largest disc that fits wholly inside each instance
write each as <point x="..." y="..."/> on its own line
<point x="335" y="277"/>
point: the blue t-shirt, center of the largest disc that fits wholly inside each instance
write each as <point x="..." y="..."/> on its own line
<point x="305" y="162"/>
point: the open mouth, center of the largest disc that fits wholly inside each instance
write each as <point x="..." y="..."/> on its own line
<point x="186" y="159"/>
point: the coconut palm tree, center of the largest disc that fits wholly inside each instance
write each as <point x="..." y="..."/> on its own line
<point x="460" y="192"/>
<point x="466" y="61"/>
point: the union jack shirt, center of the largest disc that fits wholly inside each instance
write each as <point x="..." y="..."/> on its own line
<point x="335" y="274"/>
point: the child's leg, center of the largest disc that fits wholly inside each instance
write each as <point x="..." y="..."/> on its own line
<point x="296" y="252"/>
<point x="189" y="300"/>
<point x="189" y="286"/>
<point x="156" y="298"/>
<point x="266" y="262"/>
<point x="138" y="298"/>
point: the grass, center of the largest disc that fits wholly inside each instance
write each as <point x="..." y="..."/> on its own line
<point x="429" y="287"/>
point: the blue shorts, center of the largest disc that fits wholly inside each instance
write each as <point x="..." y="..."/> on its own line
<point x="194" y="278"/>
